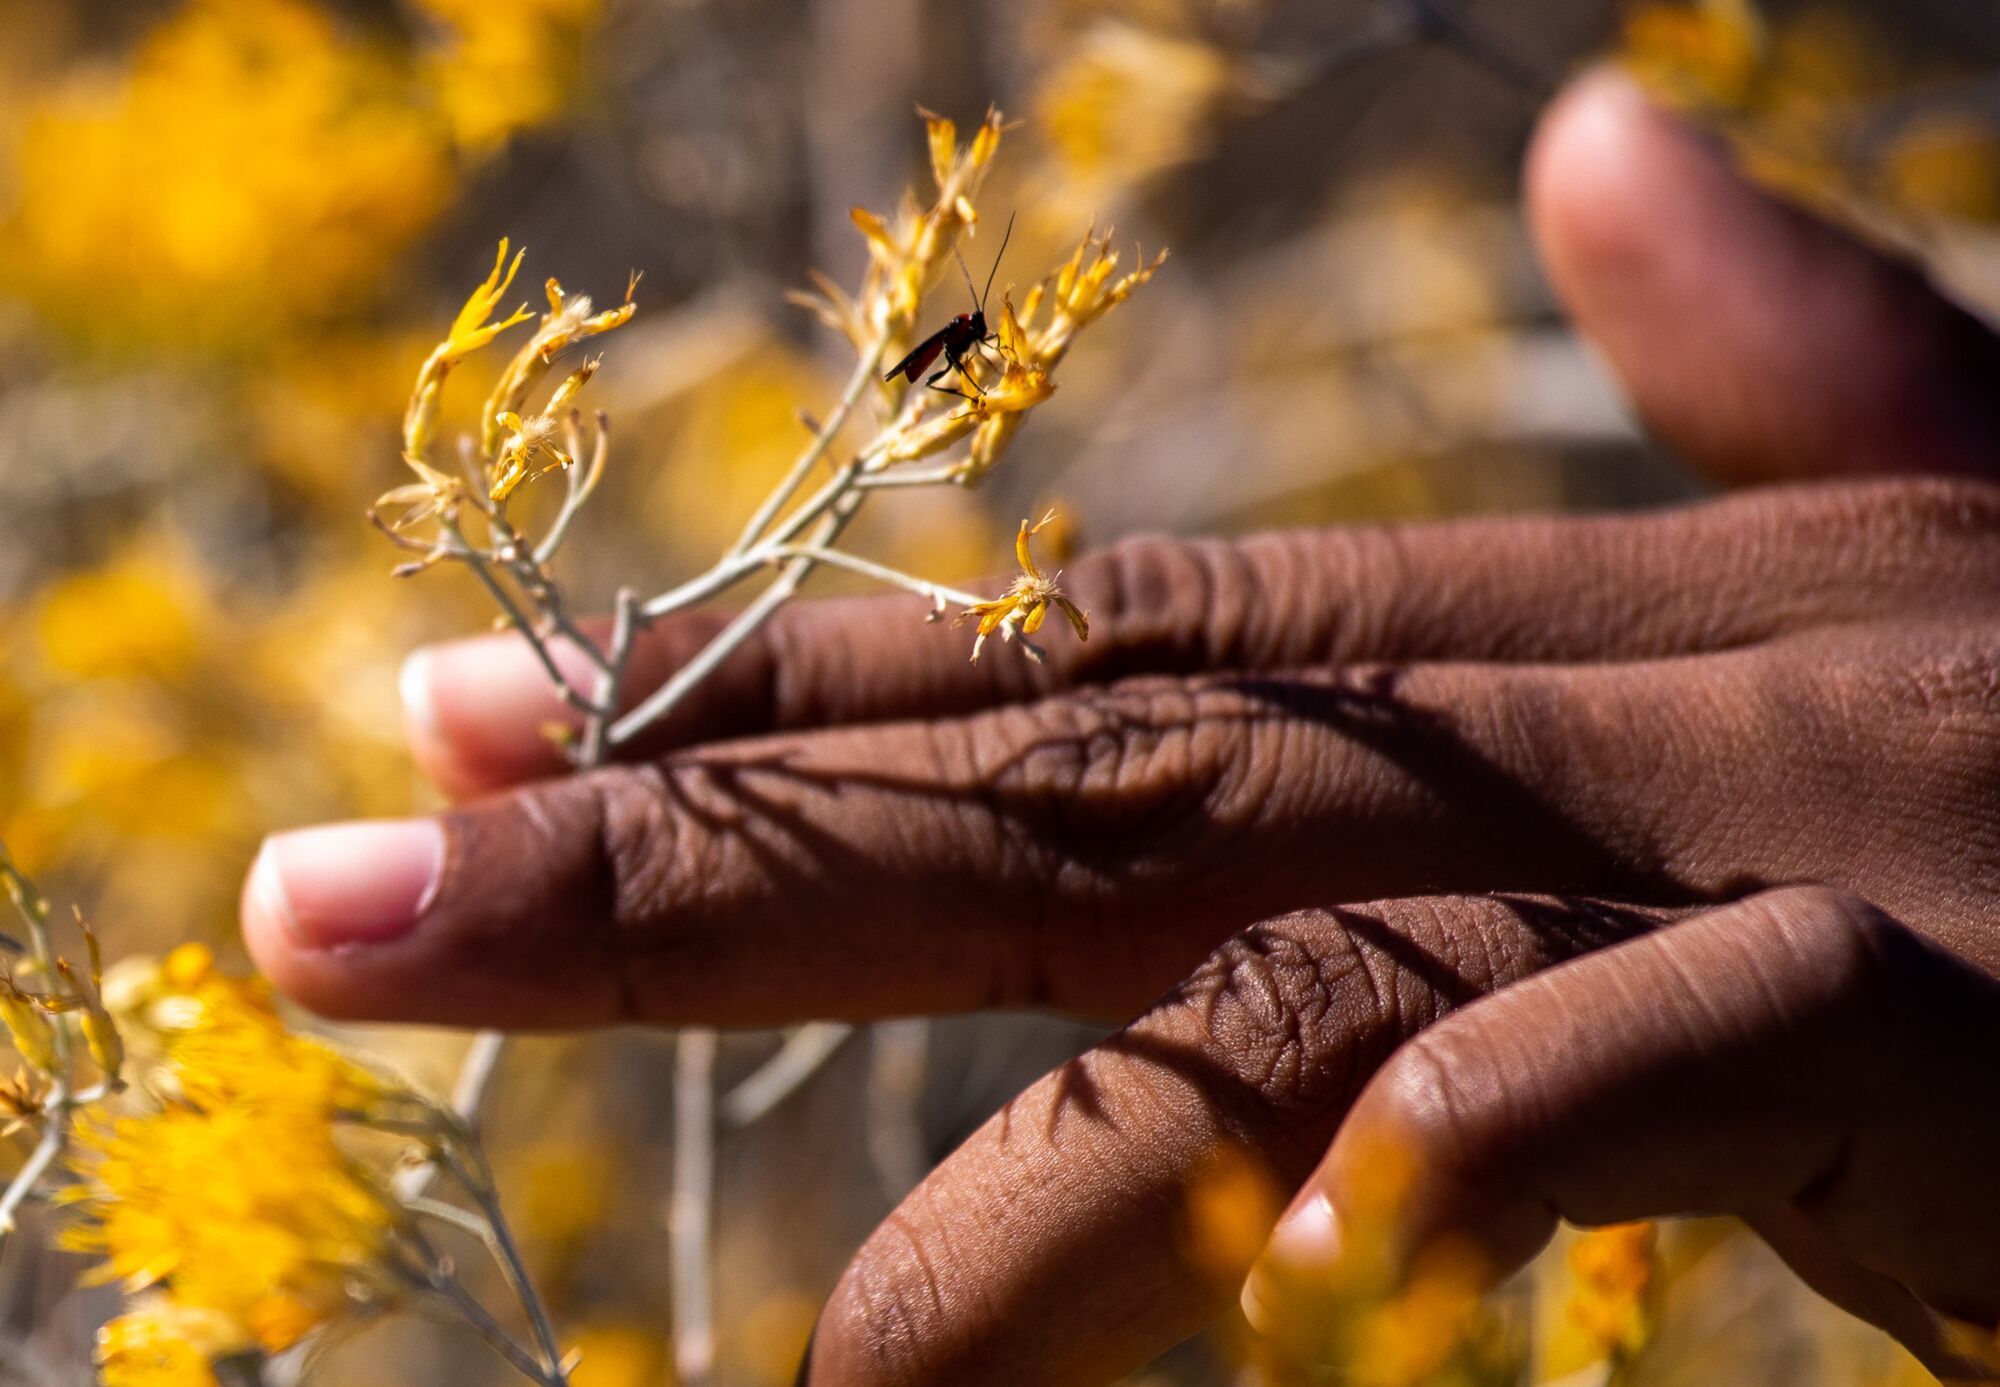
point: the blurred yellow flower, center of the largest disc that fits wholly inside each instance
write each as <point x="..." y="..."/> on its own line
<point x="506" y="65"/>
<point x="143" y="614"/>
<point x="258" y="165"/>
<point x="1708" y="53"/>
<point x="160" y="1344"/>
<point x="1616" y="1271"/>
<point x="1123" y="103"/>
<point x="235" y="1195"/>
<point x="1944" y="166"/>
<point x="618" y="1356"/>
<point x="251" y="165"/>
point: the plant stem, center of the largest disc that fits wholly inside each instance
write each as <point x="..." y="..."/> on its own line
<point x="939" y="595"/>
<point x="669" y="695"/>
<point x="691" y="1212"/>
<point x="500" y="1241"/>
<point x="611" y="679"/>
<point x="804" y="1053"/>
<point x="857" y="384"/>
<point x="55" y="1132"/>
<point x="476" y="561"/>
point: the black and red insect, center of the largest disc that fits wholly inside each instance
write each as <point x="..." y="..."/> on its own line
<point x="957" y="338"/>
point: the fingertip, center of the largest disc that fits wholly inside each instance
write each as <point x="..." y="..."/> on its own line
<point x="477" y="712"/>
<point x="316" y="897"/>
<point x="1758" y="340"/>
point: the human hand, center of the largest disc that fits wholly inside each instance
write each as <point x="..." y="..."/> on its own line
<point x="1520" y="738"/>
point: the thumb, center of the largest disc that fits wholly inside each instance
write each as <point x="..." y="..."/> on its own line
<point x="1757" y="341"/>
<point x="1795" y="1058"/>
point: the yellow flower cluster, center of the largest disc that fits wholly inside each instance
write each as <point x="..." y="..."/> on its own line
<point x="1083" y="290"/>
<point x="505" y="65"/>
<point x="1021" y="610"/>
<point x="1123" y="102"/>
<point x="1712" y="53"/>
<point x="513" y="448"/>
<point x="36" y="994"/>
<point x="254" y="164"/>
<point x="231" y="1199"/>
<point x="904" y="257"/>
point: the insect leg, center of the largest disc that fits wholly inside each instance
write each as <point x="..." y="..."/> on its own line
<point x="937" y="376"/>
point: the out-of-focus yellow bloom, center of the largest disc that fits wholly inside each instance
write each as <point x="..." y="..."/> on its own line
<point x="158" y="1343"/>
<point x="618" y="1356"/>
<point x="1408" y="1338"/>
<point x="235" y="1195"/>
<point x="252" y="164"/>
<point x="1616" y="1272"/>
<point x="1233" y="1200"/>
<point x="1021" y="610"/>
<point x="1945" y="166"/>
<point x="144" y="614"/>
<point x="257" y="165"/>
<point x="506" y="65"/>
<point x="1712" y="52"/>
<point x="1124" y="103"/>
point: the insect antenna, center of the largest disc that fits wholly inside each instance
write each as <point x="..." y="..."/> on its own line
<point x="996" y="262"/>
<point x="968" y="275"/>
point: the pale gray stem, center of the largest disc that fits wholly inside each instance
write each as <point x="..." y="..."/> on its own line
<point x="857" y="385"/>
<point x="948" y="475"/>
<point x="520" y="622"/>
<point x="500" y="1241"/>
<point x="747" y="623"/>
<point x="54" y="1133"/>
<point x="611" y="679"/>
<point x="468" y="1100"/>
<point x="899" y="1056"/>
<point x="691" y="1210"/>
<point x="804" y="1053"/>
<point x="939" y="595"/>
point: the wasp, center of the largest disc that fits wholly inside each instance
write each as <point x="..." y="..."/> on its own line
<point x="957" y="338"/>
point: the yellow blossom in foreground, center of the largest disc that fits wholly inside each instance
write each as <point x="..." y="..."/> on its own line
<point x="160" y="1344"/>
<point x="905" y="256"/>
<point x="1084" y="291"/>
<point x="515" y="446"/>
<point x="1024" y="383"/>
<point x="235" y="1195"/>
<point x="1021" y="610"/>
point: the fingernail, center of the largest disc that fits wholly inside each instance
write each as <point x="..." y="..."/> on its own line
<point x="485" y="702"/>
<point x="420" y="717"/>
<point x="1302" y="1252"/>
<point x="357" y="883"/>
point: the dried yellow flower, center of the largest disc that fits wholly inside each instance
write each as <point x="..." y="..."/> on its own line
<point x="28" y="1026"/>
<point x="1021" y="610"/>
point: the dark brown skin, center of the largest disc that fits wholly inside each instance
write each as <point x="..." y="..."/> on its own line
<point x="1513" y="741"/>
